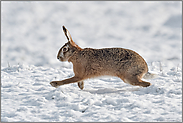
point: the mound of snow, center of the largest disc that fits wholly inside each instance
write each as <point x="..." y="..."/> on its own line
<point x="27" y="96"/>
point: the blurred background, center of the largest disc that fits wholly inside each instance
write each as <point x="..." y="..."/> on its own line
<point x="31" y="31"/>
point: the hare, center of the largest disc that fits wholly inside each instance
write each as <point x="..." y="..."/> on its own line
<point x="89" y="63"/>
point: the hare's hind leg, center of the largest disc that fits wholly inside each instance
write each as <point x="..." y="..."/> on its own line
<point x="81" y="85"/>
<point x="134" y="80"/>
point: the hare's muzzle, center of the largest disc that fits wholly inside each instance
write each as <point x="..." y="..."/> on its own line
<point x="60" y="58"/>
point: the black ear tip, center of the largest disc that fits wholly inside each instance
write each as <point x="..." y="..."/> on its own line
<point x="64" y="28"/>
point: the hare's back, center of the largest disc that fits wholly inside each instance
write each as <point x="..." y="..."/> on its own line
<point x="114" y="57"/>
<point x="112" y="61"/>
<point x="111" y="54"/>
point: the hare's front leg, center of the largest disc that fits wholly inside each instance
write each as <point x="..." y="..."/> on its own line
<point x="81" y="85"/>
<point x="66" y="81"/>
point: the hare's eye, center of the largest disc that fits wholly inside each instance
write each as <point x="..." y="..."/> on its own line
<point x="65" y="49"/>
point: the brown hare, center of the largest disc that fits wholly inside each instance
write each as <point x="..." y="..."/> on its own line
<point x="89" y="63"/>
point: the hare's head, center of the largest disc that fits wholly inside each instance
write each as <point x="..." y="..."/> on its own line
<point x="68" y="49"/>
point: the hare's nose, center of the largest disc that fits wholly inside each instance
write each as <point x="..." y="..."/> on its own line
<point x="57" y="57"/>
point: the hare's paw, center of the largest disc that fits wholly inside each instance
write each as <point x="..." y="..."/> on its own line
<point x="81" y="85"/>
<point x="54" y="84"/>
<point x="146" y="84"/>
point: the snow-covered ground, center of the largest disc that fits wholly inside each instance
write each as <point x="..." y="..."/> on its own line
<point x="31" y="36"/>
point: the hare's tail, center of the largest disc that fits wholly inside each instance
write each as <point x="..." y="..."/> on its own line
<point x="149" y="75"/>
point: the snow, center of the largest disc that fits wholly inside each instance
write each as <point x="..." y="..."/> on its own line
<point x="32" y="35"/>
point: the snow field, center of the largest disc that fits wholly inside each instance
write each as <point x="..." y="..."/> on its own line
<point x="104" y="99"/>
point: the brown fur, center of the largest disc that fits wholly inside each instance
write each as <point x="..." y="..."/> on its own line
<point x="89" y="63"/>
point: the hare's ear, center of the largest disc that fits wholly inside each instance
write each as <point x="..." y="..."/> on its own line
<point x="68" y="35"/>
